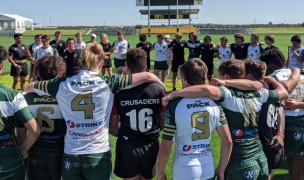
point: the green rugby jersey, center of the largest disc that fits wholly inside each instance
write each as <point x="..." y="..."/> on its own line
<point x="242" y="112"/>
<point x="13" y="108"/>
<point x="46" y="111"/>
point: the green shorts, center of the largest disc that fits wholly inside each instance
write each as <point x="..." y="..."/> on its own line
<point x="12" y="169"/>
<point x="250" y="168"/>
<point x="119" y="63"/>
<point x="161" y="65"/>
<point x="294" y="136"/>
<point x="90" y="166"/>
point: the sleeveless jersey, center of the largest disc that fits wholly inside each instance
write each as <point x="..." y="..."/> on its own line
<point x="194" y="49"/>
<point x="242" y="112"/>
<point x="293" y="62"/>
<point x="161" y="51"/>
<point x="190" y="123"/>
<point x="46" y="111"/>
<point x="85" y="101"/>
<point x="120" y="47"/>
<point x="297" y="93"/>
<point x="13" y="108"/>
<point x="225" y="53"/>
<point x="254" y="52"/>
<point x="139" y="109"/>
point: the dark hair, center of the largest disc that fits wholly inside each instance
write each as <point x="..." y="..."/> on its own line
<point x="256" y="68"/>
<point x="208" y="37"/>
<point x="234" y="68"/>
<point x="225" y="38"/>
<point x="194" y="71"/>
<point x="270" y="38"/>
<point x="179" y="35"/>
<point x="142" y="37"/>
<point x="48" y="67"/>
<point x="47" y="37"/>
<point x="194" y="35"/>
<point x="120" y="32"/>
<point x="160" y="35"/>
<point x="255" y="36"/>
<point x="240" y="36"/>
<point x="3" y="54"/>
<point x="17" y="35"/>
<point x="136" y="60"/>
<point x="274" y="60"/>
<point x="296" y="38"/>
<point x="69" y="39"/>
<point x="38" y="35"/>
<point x="57" y="32"/>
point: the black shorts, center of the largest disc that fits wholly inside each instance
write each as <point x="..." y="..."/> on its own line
<point x="274" y="158"/>
<point x="210" y="67"/>
<point x="16" y="73"/>
<point x="148" y="63"/>
<point x="136" y="157"/>
<point x="176" y="63"/>
<point x="107" y="63"/>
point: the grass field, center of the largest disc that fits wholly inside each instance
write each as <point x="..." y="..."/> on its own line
<point x="278" y="30"/>
<point x="282" y="41"/>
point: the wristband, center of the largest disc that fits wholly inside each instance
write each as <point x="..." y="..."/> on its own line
<point x="281" y="134"/>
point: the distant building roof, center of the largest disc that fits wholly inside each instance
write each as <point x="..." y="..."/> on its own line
<point x="14" y="17"/>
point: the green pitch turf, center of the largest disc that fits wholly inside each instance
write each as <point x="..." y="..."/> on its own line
<point x="282" y="41"/>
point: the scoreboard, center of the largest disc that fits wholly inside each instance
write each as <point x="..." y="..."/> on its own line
<point x="168" y="2"/>
<point x="172" y="16"/>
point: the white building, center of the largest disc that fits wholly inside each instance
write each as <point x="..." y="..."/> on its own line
<point x="11" y="24"/>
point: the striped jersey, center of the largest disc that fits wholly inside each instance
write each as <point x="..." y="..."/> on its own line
<point x="297" y="93"/>
<point x="85" y="101"/>
<point x="293" y="62"/>
<point x="46" y="111"/>
<point x="190" y="123"/>
<point x="13" y="108"/>
<point x="194" y="49"/>
<point x="242" y="112"/>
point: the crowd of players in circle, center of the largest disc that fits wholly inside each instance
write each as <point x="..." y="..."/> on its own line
<point x="59" y="126"/>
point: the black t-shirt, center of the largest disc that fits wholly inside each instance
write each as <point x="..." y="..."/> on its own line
<point x="139" y="109"/>
<point x="271" y="47"/>
<point x="207" y="52"/>
<point x="60" y="46"/>
<point x="106" y="47"/>
<point x="146" y="47"/>
<point x="240" y="51"/>
<point x="194" y="49"/>
<point x="18" y="52"/>
<point x="71" y="60"/>
<point x="178" y="50"/>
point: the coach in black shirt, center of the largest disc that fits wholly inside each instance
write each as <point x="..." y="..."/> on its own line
<point x="239" y="48"/>
<point x="58" y="44"/>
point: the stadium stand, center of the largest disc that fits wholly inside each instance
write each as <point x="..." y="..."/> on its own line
<point x="224" y="30"/>
<point x="168" y="30"/>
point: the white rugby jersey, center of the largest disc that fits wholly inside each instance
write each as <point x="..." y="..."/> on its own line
<point x="120" y="47"/>
<point x="254" y="52"/>
<point x="81" y="45"/>
<point x="225" y="53"/>
<point x="161" y="51"/>
<point x="34" y="47"/>
<point x="85" y="101"/>
<point x="293" y="62"/>
<point x="190" y="122"/>
<point x="48" y="51"/>
<point x="297" y="93"/>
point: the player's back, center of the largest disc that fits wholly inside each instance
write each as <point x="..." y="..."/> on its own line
<point x="139" y="109"/>
<point x="195" y="120"/>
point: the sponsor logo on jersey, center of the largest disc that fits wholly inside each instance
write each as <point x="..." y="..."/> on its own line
<point x="187" y="148"/>
<point x="249" y="174"/>
<point x="72" y="124"/>
<point x="45" y="99"/>
<point x="198" y="104"/>
<point x="82" y="135"/>
<point x="297" y="136"/>
<point x="5" y="137"/>
<point x="251" y="132"/>
<point x="237" y="132"/>
<point x="83" y="83"/>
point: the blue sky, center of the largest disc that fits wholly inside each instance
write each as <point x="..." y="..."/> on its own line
<point x="124" y="12"/>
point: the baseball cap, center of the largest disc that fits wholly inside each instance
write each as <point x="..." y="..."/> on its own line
<point x="93" y="35"/>
<point x="167" y="36"/>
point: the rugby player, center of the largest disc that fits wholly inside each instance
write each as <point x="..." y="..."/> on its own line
<point x="71" y="57"/>
<point x="79" y="43"/>
<point x="190" y="123"/>
<point x="255" y="48"/>
<point x="106" y="45"/>
<point x="224" y="50"/>
<point x="58" y="43"/>
<point x="147" y="47"/>
<point x="140" y="113"/>
<point x="161" y="57"/>
<point x="270" y="40"/>
<point x="294" y="53"/>
<point x="33" y="48"/>
<point x="240" y="47"/>
<point x="193" y="45"/>
<point x="207" y="54"/>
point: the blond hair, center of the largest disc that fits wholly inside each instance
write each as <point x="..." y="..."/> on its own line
<point x="91" y="56"/>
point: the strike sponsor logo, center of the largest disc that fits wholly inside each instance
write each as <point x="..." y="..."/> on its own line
<point x="72" y="124"/>
<point x="237" y="133"/>
<point x="187" y="148"/>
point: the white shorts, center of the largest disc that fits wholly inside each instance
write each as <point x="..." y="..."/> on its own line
<point x="195" y="172"/>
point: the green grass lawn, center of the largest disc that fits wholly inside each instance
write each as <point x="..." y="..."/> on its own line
<point x="282" y="41"/>
<point x="278" y="30"/>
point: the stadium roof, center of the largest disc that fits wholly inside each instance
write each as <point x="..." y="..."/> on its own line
<point x="166" y="11"/>
<point x="10" y="17"/>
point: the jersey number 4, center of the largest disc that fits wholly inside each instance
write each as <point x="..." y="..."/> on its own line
<point x="83" y="102"/>
<point x="200" y="121"/>
<point x="143" y="118"/>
